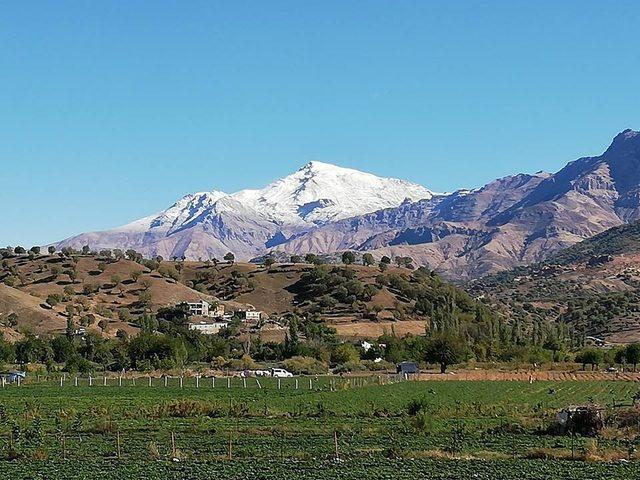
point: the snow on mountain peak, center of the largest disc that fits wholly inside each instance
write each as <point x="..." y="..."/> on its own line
<point x="320" y="192"/>
<point x="315" y="194"/>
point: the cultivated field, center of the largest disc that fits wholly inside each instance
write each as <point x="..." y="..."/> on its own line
<point x="335" y="429"/>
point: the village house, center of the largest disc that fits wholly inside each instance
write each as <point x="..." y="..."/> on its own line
<point x="205" y="309"/>
<point x="252" y="315"/>
<point x="208" y="328"/>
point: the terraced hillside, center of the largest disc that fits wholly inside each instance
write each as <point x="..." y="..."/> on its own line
<point x="593" y="286"/>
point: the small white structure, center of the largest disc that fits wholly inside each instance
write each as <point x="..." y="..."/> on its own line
<point x="252" y="315"/>
<point x="208" y="328"/>
<point x="205" y="309"/>
<point x="366" y="346"/>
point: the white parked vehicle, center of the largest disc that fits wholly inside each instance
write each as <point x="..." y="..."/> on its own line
<point x="280" y="373"/>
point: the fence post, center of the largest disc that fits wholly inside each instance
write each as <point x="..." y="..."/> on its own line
<point x="244" y="382"/>
<point x="335" y="443"/>
<point x="174" y="453"/>
<point x="3" y="381"/>
<point x="213" y="382"/>
<point x="180" y="381"/>
<point x="228" y="382"/>
<point x="296" y="383"/>
<point x="104" y="380"/>
<point x="258" y="382"/>
<point x="197" y="381"/>
<point x="165" y="380"/>
<point x="149" y="380"/>
<point x="310" y="384"/>
<point x="90" y="382"/>
<point x="119" y="452"/>
<point x="120" y="381"/>
<point x="278" y="383"/>
<point x="75" y="381"/>
<point x="133" y="381"/>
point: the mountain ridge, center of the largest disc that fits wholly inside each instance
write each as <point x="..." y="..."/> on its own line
<point x="322" y="208"/>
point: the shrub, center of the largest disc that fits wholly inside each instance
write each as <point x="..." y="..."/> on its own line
<point x="305" y="365"/>
<point x="185" y="409"/>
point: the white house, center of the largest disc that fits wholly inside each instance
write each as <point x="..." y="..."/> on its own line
<point x="205" y="309"/>
<point x="208" y="328"/>
<point x="254" y="315"/>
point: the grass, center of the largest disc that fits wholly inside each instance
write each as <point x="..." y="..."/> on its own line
<point x="423" y="423"/>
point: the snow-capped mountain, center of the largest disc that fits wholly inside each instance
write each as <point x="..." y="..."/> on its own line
<point x="206" y="224"/>
<point x="322" y="208"/>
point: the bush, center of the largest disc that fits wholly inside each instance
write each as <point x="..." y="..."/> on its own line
<point x="305" y="365"/>
<point x="185" y="409"/>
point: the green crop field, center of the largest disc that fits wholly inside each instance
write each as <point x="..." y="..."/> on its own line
<point x="335" y="429"/>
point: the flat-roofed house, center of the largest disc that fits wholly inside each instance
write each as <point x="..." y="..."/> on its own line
<point x="203" y="308"/>
<point x="208" y="328"/>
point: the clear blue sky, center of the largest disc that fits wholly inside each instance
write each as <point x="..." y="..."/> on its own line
<point x="111" y="110"/>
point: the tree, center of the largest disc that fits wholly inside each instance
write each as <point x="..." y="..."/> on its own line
<point x="70" y="328"/>
<point x="86" y="249"/>
<point x="348" y="258"/>
<point x="144" y="298"/>
<point x="344" y="353"/>
<point x="367" y="259"/>
<point x="51" y="249"/>
<point x="383" y="266"/>
<point x="116" y="280"/>
<point x="35" y="249"/>
<point x="590" y="356"/>
<point x="72" y="274"/>
<point x="135" y="275"/>
<point x="445" y="350"/>
<point x="229" y="257"/>
<point x="19" y="250"/>
<point x="632" y="354"/>
<point x="269" y="261"/>
<point x="55" y="271"/>
<point x="12" y="320"/>
<point x="385" y="259"/>
<point x="146" y="283"/>
<point x="406" y="262"/>
<point x="296" y="259"/>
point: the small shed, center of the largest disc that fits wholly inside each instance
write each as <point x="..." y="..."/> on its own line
<point x="408" y="368"/>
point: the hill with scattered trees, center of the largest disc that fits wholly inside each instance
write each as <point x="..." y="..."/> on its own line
<point x="112" y="310"/>
<point x="592" y="287"/>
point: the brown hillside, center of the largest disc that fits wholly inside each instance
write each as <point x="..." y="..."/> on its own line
<point x="31" y="312"/>
<point x="113" y="293"/>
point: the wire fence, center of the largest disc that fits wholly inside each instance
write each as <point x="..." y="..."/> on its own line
<point x="212" y="382"/>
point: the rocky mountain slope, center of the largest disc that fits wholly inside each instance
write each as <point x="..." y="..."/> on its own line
<point x="322" y="208"/>
<point x="512" y="221"/>
<point x="210" y="224"/>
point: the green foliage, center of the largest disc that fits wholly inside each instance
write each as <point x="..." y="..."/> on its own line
<point x="445" y="350"/>
<point x="305" y="365"/>
<point x="344" y="353"/>
<point x="590" y="356"/>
